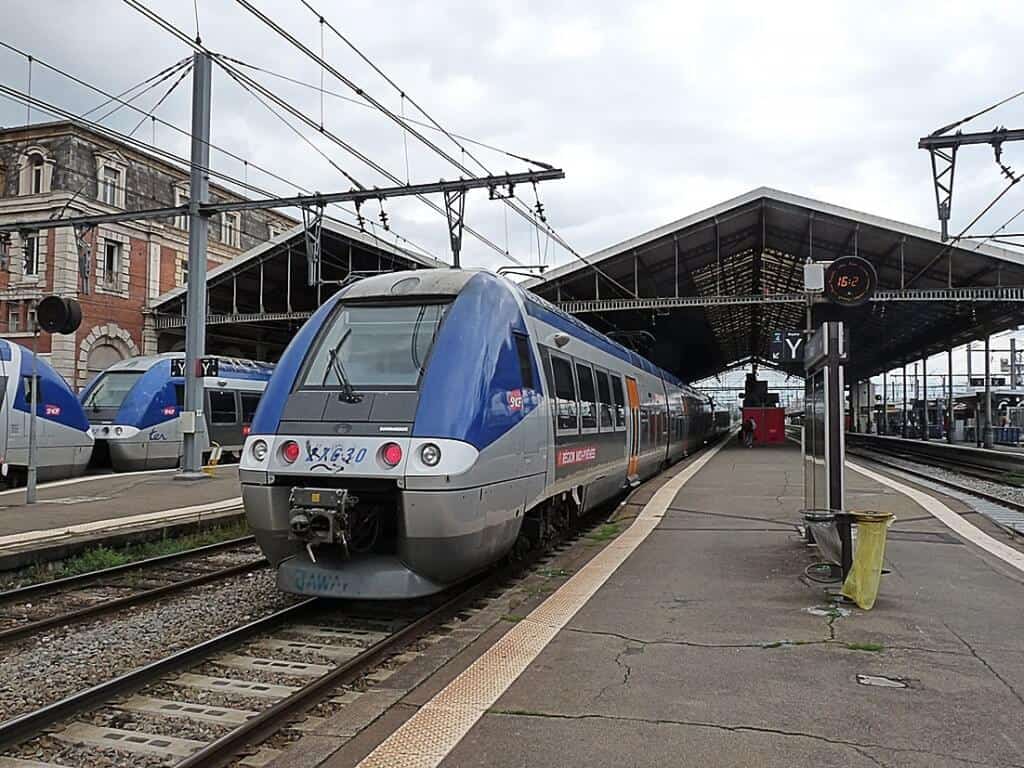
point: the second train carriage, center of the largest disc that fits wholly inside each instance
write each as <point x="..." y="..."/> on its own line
<point x="63" y="438"/>
<point x="135" y="404"/>
<point x="421" y="423"/>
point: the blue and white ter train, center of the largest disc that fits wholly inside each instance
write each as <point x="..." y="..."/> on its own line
<point x="421" y="425"/>
<point x="63" y="436"/>
<point x="134" y="407"/>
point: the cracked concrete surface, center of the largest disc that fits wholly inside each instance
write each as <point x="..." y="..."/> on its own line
<point x="700" y="650"/>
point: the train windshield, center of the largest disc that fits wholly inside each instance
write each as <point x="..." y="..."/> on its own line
<point x="111" y="389"/>
<point x="374" y="346"/>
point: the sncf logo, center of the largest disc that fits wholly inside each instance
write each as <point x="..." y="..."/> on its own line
<point x="51" y="410"/>
<point x="515" y="400"/>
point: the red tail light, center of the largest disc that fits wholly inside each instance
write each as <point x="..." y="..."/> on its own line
<point x="246" y="429"/>
<point x="290" y="451"/>
<point x="391" y="453"/>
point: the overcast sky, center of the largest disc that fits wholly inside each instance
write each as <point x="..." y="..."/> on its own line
<point x="654" y="109"/>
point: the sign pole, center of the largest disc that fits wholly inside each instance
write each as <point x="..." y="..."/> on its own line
<point x="198" y="225"/>
<point x="30" y="481"/>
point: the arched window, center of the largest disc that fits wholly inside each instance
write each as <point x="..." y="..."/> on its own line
<point x="35" y="172"/>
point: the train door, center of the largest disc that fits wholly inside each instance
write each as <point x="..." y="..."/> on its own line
<point x="633" y="401"/>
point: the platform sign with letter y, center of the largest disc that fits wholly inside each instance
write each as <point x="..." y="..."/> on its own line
<point x="787" y="346"/>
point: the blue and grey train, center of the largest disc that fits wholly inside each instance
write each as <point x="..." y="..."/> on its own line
<point x="134" y="408"/>
<point x="63" y="438"/>
<point x="421" y="425"/>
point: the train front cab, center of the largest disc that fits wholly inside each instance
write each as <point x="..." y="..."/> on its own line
<point x="423" y="448"/>
<point x="64" y="440"/>
<point x="134" y="409"/>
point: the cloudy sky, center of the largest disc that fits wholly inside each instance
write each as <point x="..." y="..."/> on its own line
<point x="654" y="109"/>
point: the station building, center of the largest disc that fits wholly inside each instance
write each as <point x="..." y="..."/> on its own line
<point x="60" y="169"/>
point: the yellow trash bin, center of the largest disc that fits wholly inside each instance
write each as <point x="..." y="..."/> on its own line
<point x="861" y="584"/>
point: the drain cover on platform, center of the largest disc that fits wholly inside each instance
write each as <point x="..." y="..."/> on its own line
<point x="881" y="681"/>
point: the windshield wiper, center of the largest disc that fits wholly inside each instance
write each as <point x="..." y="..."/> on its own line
<point x="413" y="352"/>
<point x="348" y="393"/>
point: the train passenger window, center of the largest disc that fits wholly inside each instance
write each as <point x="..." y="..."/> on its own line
<point x="604" y="396"/>
<point x="588" y="397"/>
<point x="249" y="402"/>
<point x="620" y="402"/>
<point x="222" y="408"/>
<point x="525" y="363"/>
<point x="565" y="394"/>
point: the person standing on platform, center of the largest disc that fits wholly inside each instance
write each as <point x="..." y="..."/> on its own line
<point x="748" y="432"/>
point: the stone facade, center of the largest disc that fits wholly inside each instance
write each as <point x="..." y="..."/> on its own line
<point x="58" y="169"/>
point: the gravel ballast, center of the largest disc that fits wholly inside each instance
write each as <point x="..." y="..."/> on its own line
<point x="55" y="664"/>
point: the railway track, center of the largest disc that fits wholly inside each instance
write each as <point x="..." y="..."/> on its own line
<point x="995" y="466"/>
<point x="27" y="610"/>
<point x="953" y="485"/>
<point x="208" y="704"/>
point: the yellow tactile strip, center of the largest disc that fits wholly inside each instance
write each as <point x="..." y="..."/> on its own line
<point x="427" y="737"/>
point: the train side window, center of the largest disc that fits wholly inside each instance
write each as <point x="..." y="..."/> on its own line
<point x="604" y="396"/>
<point x="222" y="408"/>
<point x="525" y="363"/>
<point x="588" y="396"/>
<point x="249" y="402"/>
<point x="620" y="402"/>
<point x="565" y="395"/>
<point x="179" y="395"/>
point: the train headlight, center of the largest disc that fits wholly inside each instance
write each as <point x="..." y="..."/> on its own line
<point x="259" y="450"/>
<point x="430" y="455"/>
<point x="290" y="451"/>
<point x="391" y="454"/>
<point x="118" y="430"/>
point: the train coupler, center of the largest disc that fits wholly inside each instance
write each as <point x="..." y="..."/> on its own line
<point x="320" y="516"/>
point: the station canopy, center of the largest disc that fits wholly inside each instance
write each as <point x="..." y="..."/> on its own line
<point x="703" y="294"/>
<point x="257" y="301"/>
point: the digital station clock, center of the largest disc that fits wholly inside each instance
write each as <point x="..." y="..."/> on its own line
<point x="850" y="281"/>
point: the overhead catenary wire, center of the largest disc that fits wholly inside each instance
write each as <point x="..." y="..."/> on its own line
<point x="183" y="66"/>
<point x="979" y="113"/>
<point x="301" y="116"/>
<point x="161" y="154"/>
<point x="161" y="100"/>
<point x="296" y="43"/>
<point x="360" y="103"/>
<point x="540" y="224"/>
<point x="166" y="155"/>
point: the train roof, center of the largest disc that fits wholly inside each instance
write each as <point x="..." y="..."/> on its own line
<point x="230" y="367"/>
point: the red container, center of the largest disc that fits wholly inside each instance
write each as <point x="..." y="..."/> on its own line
<point x="771" y="424"/>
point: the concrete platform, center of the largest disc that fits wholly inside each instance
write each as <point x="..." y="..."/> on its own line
<point x="707" y="647"/>
<point x="70" y="515"/>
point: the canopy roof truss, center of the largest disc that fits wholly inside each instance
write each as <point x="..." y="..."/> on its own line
<point x="713" y="286"/>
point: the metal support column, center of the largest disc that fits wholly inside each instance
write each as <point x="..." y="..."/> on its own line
<point x="33" y="442"/>
<point x="924" y="398"/>
<point x="882" y="426"/>
<point x="903" y="426"/>
<point x="1013" y="362"/>
<point x="949" y="397"/>
<point x="988" y="391"/>
<point x="195" y="328"/>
